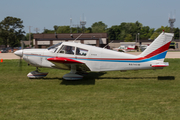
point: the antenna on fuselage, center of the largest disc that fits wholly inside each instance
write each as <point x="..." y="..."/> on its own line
<point x="107" y="44"/>
<point x="78" y="37"/>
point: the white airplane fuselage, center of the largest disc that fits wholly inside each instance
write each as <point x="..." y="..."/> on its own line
<point x="97" y="59"/>
<point x="80" y="57"/>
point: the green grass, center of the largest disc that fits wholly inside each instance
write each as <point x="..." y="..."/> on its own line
<point x="115" y="95"/>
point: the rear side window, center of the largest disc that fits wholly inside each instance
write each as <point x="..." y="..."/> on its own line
<point x="81" y="52"/>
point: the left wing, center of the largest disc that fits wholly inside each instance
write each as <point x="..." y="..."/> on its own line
<point x="65" y="63"/>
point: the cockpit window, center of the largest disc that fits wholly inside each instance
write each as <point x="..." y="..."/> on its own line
<point x="66" y="49"/>
<point x="82" y="52"/>
<point x="54" y="47"/>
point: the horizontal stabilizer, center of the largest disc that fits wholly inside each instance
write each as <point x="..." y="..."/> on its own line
<point x="64" y="60"/>
<point x="165" y="64"/>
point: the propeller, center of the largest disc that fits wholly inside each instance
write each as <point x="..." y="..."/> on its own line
<point x="20" y="61"/>
<point x="20" y="54"/>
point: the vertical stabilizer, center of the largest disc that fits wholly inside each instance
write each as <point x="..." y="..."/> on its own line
<point x="159" y="47"/>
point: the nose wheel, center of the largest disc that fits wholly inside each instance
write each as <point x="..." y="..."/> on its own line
<point x="37" y="70"/>
<point x="36" y="74"/>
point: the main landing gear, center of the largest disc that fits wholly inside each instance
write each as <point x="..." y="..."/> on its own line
<point x="72" y="74"/>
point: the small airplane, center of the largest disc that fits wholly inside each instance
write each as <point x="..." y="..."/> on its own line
<point x="80" y="58"/>
<point x="126" y="48"/>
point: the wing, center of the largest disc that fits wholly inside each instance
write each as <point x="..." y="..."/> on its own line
<point x="65" y="63"/>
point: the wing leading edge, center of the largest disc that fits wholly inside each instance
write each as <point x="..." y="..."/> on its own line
<point x="64" y="60"/>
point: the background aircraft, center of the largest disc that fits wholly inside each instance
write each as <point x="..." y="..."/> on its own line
<point x="79" y="58"/>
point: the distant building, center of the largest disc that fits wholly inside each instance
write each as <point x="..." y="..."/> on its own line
<point x="118" y="43"/>
<point x="46" y="40"/>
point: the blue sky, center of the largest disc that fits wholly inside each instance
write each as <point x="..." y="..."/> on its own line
<point x="47" y="13"/>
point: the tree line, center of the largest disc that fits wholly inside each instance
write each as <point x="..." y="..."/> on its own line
<point x="11" y="31"/>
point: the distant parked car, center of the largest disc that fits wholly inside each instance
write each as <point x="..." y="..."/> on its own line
<point x="172" y="45"/>
<point x="143" y="47"/>
<point x="4" y="50"/>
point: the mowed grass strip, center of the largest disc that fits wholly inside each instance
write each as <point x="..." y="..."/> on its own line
<point x="143" y="94"/>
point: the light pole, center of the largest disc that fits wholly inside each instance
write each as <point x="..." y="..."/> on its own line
<point x="139" y="42"/>
<point x="30" y="36"/>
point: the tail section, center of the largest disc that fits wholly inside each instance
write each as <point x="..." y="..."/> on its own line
<point x="158" y="48"/>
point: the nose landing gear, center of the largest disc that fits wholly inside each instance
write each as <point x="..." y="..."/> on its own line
<point x="36" y="74"/>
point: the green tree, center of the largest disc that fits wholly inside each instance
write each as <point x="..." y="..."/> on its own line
<point x="63" y="29"/>
<point x="114" y="32"/>
<point x="159" y="31"/>
<point x="99" y="27"/>
<point x="131" y="28"/>
<point x="176" y="33"/>
<point x="125" y="31"/>
<point x="11" y="31"/>
<point x="166" y="29"/>
<point x="88" y="30"/>
<point x="27" y="36"/>
<point x="128" y="38"/>
<point x="154" y="35"/>
<point x="55" y="28"/>
<point x="146" y="32"/>
<point x="138" y="26"/>
<point x="46" y="31"/>
<point x="122" y="35"/>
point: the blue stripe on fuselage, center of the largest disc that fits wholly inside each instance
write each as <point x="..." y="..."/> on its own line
<point x="156" y="57"/>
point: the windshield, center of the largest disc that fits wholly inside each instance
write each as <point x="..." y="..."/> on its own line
<point x="54" y="47"/>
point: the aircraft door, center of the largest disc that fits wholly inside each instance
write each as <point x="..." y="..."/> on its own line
<point x="82" y="55"/>
<point x="66" y="51"/>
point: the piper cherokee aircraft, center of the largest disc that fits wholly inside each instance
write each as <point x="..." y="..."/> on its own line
<point x="78" y="57"/>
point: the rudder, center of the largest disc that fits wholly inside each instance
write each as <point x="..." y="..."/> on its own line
<point x="158" y="48"/>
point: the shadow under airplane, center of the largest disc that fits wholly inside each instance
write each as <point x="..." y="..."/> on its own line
<point x="90" y="78"/>
<point x="158" y="78"/>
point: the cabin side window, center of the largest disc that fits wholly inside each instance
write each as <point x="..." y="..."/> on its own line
<point x="66" y="49"/>
<point x="81" y="52"/>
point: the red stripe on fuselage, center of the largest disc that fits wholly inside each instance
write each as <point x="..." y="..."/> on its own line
<point x="159" y="50"/>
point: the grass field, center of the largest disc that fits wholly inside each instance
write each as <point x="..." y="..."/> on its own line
<point x="137" y="95"/>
